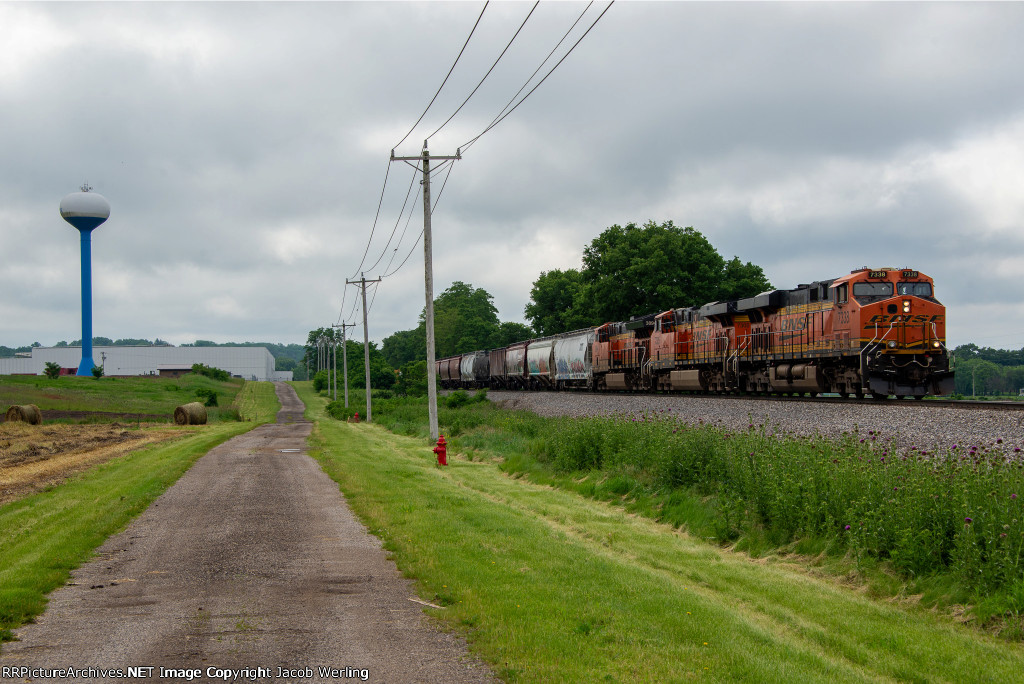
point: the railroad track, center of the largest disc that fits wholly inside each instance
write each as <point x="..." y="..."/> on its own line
<point x="850" y="401"/>
<point x="929" y="403"/>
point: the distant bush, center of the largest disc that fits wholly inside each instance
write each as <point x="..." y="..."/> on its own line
<point x="208" y="396"/>
<point x="52" y="370"/>
<point x="461" y="398"/>
<point x="411" y="380"/>
<point x="97" y="372"/>
<point x="337" y="410"/>
<point x="321" y="380"/>
<point x="214" y="373"/>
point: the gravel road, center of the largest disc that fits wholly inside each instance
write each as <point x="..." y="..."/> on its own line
<point x="908" y="424"/>
<point x="251" y="560"/>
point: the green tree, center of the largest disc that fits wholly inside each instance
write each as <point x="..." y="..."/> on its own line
<point x="558" y="302"/>
<point x="412" y="379"/>
<point x="405" y="346"/>
<point x="382" y="375"/>
<point x="465" y="319"/>
<point x="741" y="280"/>
<point x="635" y="270"/>
<point x="510" y="332"/>
<point x="52" y="370"/>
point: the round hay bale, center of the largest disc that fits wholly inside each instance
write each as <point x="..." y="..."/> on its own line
<point x="29" y="413"/>
<point x="190" y="414"/>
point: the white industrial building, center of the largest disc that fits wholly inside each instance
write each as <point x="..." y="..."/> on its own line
<point x="251" y="363"/>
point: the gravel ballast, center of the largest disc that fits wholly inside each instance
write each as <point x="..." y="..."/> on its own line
<point x="908" y="424"/>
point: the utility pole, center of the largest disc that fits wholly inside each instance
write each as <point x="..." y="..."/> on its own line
<point x="344" y="360"/>
<point x="334" y="361"/>
<point x="366" y="340"/>
<point x="428" y="275"/>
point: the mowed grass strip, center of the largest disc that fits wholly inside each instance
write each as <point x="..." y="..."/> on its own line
<point x="45" y="536"/>
<point x="549" y="586"/>
<point x="257" y="402"/>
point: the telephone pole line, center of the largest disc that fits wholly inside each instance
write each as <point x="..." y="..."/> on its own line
<point x="344" y="360"/>
<point x="428" y="274"/>
<point x="366" y="339"/>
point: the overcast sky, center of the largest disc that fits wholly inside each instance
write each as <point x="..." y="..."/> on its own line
<point x="243" y="149"/>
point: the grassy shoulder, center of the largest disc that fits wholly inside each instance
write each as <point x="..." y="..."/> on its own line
<point x="552" y="586"/>
<point x="46" y="535"/>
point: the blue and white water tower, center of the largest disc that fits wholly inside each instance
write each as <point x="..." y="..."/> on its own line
<point x="85" y="211"/>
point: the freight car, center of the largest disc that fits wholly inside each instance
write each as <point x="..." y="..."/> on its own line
<point x="875" y="331"/>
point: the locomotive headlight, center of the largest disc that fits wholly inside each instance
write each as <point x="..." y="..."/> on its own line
<point x="936" y="344"/>
<point x="906" y="306"/>
<point x="892" y="345"/>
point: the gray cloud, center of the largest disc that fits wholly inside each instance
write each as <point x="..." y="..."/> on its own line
<point x="243" y="148"/>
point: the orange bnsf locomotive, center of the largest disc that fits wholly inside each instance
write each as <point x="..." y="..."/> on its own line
<point x="876" y="331"/>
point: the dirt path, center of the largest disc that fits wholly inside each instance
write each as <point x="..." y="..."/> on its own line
<point x="252" y="560"/>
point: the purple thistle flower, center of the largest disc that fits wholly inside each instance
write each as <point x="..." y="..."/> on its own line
<point x="1013" y="496"/>
<point x="847" y="527"/>
<point x="968" y="521"/>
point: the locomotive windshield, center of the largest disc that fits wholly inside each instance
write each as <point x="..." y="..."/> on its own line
<point x="917" y="289"/>
<point x="871" y="292"/>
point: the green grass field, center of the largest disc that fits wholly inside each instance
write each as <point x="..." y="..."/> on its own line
<point x="549" y="585"/>
<point x="44" y="536"/>
<point x="142" y="394"/>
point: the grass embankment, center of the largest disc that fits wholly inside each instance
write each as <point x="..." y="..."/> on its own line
<point x="44" y="536"/>
<point x="552" y="586"/>
<point x="946" y="528"/>
<point x="152" y="395"/>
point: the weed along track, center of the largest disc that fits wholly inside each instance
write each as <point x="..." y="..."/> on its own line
<point x="250" y="562"/>
<point x="551" y="586"/>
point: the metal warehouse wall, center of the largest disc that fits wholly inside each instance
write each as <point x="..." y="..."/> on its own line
<point x="251" y="363"/>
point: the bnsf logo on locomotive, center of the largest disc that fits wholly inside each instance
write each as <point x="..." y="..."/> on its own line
<point x="900" y="318"/>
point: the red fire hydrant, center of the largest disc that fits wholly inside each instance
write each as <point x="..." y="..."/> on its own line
<point x="442" y="451"/>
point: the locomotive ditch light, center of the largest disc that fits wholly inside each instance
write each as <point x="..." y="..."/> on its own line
<point x="936" y="344"/>
<point x="892" y="344"/>
<point x="906" y="306"/>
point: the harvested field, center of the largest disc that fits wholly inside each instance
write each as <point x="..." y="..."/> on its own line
<point x="33" y="458"/>
<point x="102" y="416"/>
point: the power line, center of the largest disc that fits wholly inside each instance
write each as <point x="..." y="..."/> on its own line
<point x="441" y="191"/>
<point x="445" y="78"/>
<point x="488" y="72"/>
<point x="420" y="236"/>
<point x="398" y="221"/>
<point x="537" y="70"/>
<point x="375" y="218"/>
<point x="400" y="239"/>
<point x="498" y="121"/>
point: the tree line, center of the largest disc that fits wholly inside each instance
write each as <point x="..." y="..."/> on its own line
<point x="984" y="371"/>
